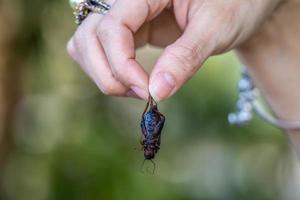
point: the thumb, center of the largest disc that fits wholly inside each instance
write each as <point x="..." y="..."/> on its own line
<point x="180" y="61"/>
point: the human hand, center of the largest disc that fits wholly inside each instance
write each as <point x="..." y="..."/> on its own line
<point x="191" y="31"/>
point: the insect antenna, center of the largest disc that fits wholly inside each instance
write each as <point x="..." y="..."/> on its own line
<point x="148" y="170"/>
<point x="142" y="166"/>
<point x="138" y="148"/>
<point x="154" y="167"/>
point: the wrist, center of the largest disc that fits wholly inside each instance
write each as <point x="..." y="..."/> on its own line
<point x="274" y="62"/>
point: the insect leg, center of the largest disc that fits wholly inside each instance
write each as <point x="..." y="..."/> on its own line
<point x="162" y="118"/>
<point x="154" y="166"/>
<point x="142" y="138"/>
<point x="144" y="131"/>
<point x="142" y="166"/>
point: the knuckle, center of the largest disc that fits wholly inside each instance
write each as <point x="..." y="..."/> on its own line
<point x="81" y="38"/>
<point x="104" y="28"/>
<point x="83" y="34"/>
<point x="187" y="57"/>
<point x="121" y="76"/>
<point x="78" y="38"/>
<point x="71" y="49"/>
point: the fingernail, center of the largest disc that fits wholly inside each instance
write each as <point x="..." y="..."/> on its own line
<point x="132" y="94"/>
<point x="162" y="86"/>
<point x="139" y="92"/>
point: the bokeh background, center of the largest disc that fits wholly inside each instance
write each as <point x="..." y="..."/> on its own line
<point x="62" y="139"/>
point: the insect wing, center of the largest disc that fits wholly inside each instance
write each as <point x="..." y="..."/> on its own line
<point x="148" y="121"/>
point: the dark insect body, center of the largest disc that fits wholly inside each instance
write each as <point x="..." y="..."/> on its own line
<point x="152" y="123"/>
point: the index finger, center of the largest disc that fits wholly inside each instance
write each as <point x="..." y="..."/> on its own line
<point x="115" y="32"/>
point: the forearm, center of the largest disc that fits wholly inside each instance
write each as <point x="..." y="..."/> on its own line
<point x="273" y="57"/>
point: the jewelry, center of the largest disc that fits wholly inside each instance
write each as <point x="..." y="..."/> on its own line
<point x="248" y="102"/>
<point x="82" y="8"/>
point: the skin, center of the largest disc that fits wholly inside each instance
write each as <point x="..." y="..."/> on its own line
<point x="192" y="31"/>
<point x="265" y="34"/>
<point x="274" y="56"/>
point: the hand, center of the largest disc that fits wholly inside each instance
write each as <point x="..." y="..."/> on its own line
<point x="191" y="31"/>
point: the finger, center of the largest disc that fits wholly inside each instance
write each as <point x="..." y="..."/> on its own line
<point x="116" y="35"/>
<point x="72" y="50"/>
<point x="180" y="61"/>
<point x="164" y="30"/>
<point x="90" y="55"/>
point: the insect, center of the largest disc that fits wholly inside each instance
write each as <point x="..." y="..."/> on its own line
<point x="152" y="123"/>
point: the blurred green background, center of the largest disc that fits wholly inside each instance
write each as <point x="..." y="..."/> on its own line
<point x="63" y="139"/>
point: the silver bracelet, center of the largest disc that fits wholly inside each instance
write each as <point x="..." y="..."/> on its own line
<point x="248" y="103"/>
<point x="82" y="8"/>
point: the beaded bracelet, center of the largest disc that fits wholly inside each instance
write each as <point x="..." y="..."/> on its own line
<point x="248" y="103"/>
